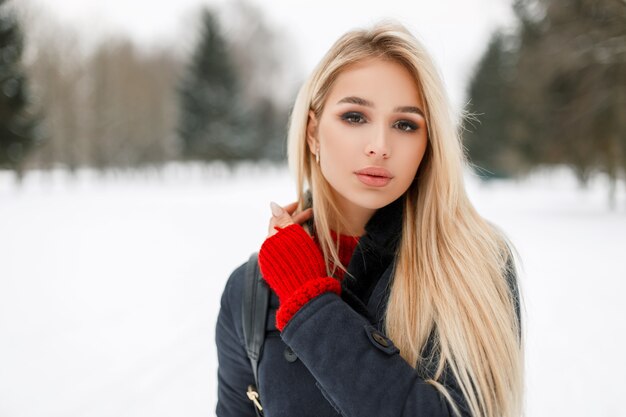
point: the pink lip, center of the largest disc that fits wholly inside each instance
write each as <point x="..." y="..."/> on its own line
<point x="374" y="176"/>
<point x="375" y="172"/>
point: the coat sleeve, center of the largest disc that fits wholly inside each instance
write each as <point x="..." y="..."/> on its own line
<point x="234" y="372"/>
<point x="357" y="368"/>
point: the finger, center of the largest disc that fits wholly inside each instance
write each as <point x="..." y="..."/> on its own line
<point x="276" y="224"/>
<point x="303" y="216"/>
<point x="277" y="210"/>
<point x="270" y="229"/>
<point x="274" y="221"/>
<point x="291" y="207"/>
<point x="280" y="217"/>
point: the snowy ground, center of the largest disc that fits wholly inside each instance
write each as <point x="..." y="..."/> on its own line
<point x="110" y="286"/>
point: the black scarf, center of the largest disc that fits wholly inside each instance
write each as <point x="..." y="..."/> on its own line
<point x="374" y="254"/>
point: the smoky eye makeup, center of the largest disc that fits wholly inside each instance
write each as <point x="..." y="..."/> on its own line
<point x="353" y="117"/>
<point x="358" y="118"/>
<point x="406" y="125"/>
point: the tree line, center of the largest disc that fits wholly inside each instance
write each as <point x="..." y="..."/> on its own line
<point x="552" y="91"/>
<point x="63" y="104"/>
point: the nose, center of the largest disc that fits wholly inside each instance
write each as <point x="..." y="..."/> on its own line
<point x="378" y="146"/>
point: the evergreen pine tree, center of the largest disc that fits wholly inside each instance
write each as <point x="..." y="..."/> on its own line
<point x="209" y="124"/>
<point x="488" y="137"/>
<point x="571" y="66"/>
<point x="557" y="96"/>
<point x="17" y="126"/>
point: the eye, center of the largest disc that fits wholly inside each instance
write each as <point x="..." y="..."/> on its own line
<point x="353" y="118"/>
<point x="406" y="126"/>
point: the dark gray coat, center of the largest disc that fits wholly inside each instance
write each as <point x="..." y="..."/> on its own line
<point x="332" y="358"/>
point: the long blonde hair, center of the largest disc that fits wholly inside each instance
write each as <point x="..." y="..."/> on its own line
<point x="449" y="281"/>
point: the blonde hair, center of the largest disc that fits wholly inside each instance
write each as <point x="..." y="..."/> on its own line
<point x="450" y="276"/>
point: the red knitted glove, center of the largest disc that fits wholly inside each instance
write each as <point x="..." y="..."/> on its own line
<point x="293" y="266"/>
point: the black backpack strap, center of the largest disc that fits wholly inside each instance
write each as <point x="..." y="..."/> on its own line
<point x="254" y="308"/>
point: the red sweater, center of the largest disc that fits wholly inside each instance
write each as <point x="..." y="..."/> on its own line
<point x="292" y="264"/>
<point x="347" y="244"/>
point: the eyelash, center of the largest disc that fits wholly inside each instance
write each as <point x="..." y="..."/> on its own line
<point x="351" y="115"/>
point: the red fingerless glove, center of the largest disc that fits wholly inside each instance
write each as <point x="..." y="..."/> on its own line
<point x="293" y="266"/>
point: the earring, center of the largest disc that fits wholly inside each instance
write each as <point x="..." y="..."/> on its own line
<point x="317" y="156"/>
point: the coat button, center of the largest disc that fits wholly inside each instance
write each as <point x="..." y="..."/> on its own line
<point x="380" y="339"/>
<point x="290" y="356"/>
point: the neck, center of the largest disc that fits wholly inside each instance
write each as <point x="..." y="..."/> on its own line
<point x="356" y="218"/>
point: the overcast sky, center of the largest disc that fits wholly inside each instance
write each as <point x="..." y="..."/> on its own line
<point x="454" y="31"/>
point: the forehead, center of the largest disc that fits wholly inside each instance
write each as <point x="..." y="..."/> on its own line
<point x="386" y="83"/>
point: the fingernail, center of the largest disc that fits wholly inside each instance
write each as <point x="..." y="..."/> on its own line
<point x="276" y="209"/>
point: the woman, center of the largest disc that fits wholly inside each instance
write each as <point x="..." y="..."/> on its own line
<point x="391" y="296"/>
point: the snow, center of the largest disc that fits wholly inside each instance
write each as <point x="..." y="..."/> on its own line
<point x="110" y="286"/>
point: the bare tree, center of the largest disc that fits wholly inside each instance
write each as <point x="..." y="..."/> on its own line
<point x="108" y="105"/>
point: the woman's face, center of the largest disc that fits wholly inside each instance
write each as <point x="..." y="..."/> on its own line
<point x="373" y="118"/>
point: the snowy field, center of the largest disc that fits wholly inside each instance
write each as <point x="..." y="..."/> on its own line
<point x="110" y="287"/>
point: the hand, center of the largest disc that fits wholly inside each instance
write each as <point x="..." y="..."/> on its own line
<point x="289" y="256"/>
<point x="283" y="216"/>
<point x="291" y="263"/>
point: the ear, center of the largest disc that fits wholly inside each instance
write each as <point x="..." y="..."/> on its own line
<point x="311" y="132"/>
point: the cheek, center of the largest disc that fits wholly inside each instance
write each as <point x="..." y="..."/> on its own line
<point x="411" y="157"/>
<point x="338" y="142"/>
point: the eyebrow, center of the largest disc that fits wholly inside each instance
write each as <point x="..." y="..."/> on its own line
<point x="362" y="102"/>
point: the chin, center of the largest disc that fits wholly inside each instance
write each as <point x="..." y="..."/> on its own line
<point x="359" y="195"/>
<point x="372" y="200"/>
